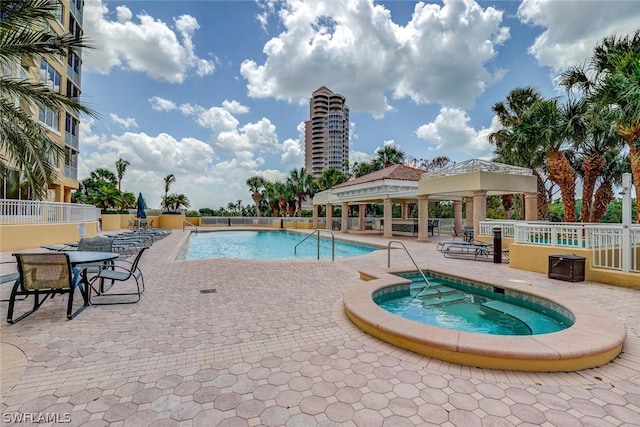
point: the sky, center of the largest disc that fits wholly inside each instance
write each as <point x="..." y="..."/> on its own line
<point x="215" y="92"/>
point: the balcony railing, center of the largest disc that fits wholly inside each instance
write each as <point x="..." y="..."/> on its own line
<point x="37" y="212"/>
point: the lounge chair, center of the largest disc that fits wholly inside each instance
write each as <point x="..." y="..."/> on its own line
<point x="477" y="252"/>
<point x="43" y="275"/>
<point x="119" y="272"/>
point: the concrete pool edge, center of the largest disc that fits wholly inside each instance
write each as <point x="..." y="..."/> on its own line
<point x="595" y="339"/>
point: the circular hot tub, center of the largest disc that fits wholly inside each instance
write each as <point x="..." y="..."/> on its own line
<point x="593" y="337"/>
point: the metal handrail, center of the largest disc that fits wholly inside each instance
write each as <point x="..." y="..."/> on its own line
<point x="428" y="283"/>
<point x="317" y="231"/>
<point x="187" y="222"/>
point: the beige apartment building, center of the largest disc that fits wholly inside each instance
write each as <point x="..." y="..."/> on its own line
<point x="62" y="75"/>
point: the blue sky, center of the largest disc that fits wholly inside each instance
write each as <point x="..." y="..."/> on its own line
<point x="215" y="92"/>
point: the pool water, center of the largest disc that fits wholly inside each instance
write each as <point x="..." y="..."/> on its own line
<point x="265" y="245"/>
<point x="448" y="305"/>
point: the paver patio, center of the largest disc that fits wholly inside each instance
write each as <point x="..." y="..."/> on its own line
<point x="273" y="347"/>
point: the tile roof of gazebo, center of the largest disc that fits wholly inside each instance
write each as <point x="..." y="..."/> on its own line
<point x="394" y="172"/>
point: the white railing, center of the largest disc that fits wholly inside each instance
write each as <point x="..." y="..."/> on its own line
<point x="38" y="212"/>
<point x="507" y="226"/>
<point x="571" y="235"/>
<point x="606" y="241"/>
<point x="251" y="220"/>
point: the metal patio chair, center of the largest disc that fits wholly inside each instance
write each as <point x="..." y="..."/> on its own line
<point x="122" y="271"/>
<point x="43" y="275"/>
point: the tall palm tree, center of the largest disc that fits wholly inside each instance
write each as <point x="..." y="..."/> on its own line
<point x="121" y="167"/>
<point x="271" y="194"/>
<point x="256" y="185"/>
<point x="610" y="80"/>
<point x="514" y="145"/>
<point x="546" y="122"/>
<point x="616" y="165"/>
<point x="303" y="185"/>
<point x="168" y="180"/>
<point x="25" y="144"/>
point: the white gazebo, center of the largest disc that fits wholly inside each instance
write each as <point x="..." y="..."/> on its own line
<point x="465" y="182"/>
<point x="471" y="182"/>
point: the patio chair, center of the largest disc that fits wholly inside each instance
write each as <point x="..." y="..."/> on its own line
<point x="43" y="275"/>
<point x="121" y="272"/>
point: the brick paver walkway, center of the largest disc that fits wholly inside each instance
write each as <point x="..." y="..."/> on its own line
<point x="273" y="347"/>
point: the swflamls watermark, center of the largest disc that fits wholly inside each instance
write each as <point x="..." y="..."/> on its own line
<point x="36" y="417"/>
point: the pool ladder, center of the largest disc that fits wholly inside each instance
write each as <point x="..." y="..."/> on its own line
<point x="317" y="231"/>
<point x="428" y="284"/>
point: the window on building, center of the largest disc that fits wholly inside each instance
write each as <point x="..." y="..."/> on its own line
<point x="71" y="125"/>
<point x="74" y="61"/>
<point x="72" y="90"/>
<point x="57" y="12"/>
<point x="50" y="117"/>
<point x="49" y="76"/>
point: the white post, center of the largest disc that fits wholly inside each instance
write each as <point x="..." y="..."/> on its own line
<point x="626" y="222"/>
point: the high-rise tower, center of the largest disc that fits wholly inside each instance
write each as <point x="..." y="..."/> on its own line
<point x="327" y="133"/>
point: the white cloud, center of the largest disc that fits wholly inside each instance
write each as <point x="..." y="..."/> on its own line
<point x="359" y="157"/>
<point x="568" y="42"/>
<point x="356" y="49"/>
<point x="450" y="135"/>
<point x="161" y="104"/>
<point x="234" y="107"/>
<point x="259" y="136"/>
<point x="127" y="123"/>
<point x="292" y="152"/>
<point x="149" y="45"/>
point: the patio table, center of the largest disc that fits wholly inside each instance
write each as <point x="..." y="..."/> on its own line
<point x="80" y="258"/>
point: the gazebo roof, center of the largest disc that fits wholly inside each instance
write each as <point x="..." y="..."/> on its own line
<point x="394" y="172"/>
<point x="477" y="165"/>
<point x="468" y="177"/>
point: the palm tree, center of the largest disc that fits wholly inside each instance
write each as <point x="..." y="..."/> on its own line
<point x="329" y="178"/>
<point x="176" y="201"/>
<point x="168" y="180"/>
<point x="546" y="122"/>
<point x="615" y="65"/>
<point x="256" y="185"/>
<point x="272" y="196"/>
<point x="616" y="165"/>
<point x="24" y="142"/>
<point x="121" y="167"/>
<point x="302" y="184"/>
<point x="388" y="155"/>
<point x="514" y="145"/>
<point x="103" y="175"/>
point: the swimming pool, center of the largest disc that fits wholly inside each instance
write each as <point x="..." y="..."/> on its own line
<point x="265" y="245"/>
<point x="447" y="304"/>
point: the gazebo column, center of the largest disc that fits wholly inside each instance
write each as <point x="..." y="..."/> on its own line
<point x="387" y="215"/>
<point x="362" y="208"/>
<point x="423" y="218"/>
<point x="404" y="211"/>
<point x="479" y="210"/>
<point x="469" y="208"/>
<point x="457" y="216"/>
<point x="530" y="206"/>
<point x="329" y="219"/>
<point x="345" y="217"/>
<point x="316" y="208"/>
